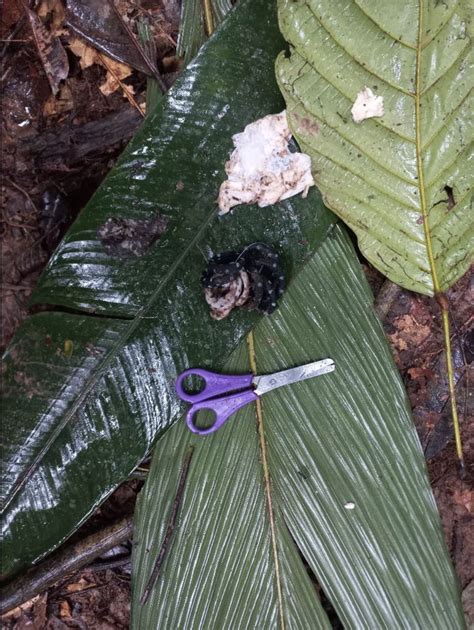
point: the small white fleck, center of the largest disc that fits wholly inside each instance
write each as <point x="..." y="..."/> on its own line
<point x="350" y="505"/>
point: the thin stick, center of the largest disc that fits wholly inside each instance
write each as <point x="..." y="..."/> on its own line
<point x="16" y="29"/>
<point x="127" y="93"/>
<point x="151" y="65"/>
<point x="437" y="289"/>
<point x="266" y="477"/>
<point x="63" y="563"/>
<point x="23" y="226"/>
<point x="22" y="190"/>
<point x="15" y="287"/>
<point x="444" y="305"/>
<point x="170" y="528"/>
<point x="208" y="17"/>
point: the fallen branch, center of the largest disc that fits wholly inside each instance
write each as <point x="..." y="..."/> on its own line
<point x="64" y="563"/>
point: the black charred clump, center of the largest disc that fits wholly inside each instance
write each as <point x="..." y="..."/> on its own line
<point x="251" y="279"/>
<point x="127" y="238"/>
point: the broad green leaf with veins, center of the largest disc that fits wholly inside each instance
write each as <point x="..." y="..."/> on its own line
<point x="402" y="181"/>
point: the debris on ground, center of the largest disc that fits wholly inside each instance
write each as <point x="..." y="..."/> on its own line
<point x="414" y="330"/>
<point x="262" y="169"/>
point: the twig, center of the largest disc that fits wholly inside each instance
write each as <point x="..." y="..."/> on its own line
<point x="150" y="65"/>
<point x="17" y="28"/>
<point x="127" y="92"/>
<point x="22" y="190"/>
<point x="208" y="17"/>
<point x="23" y="226"/>
<point x="113" y="563"/>
<point x="63" y="563"/>
<point x="5" y="74"/>
<point x="170" y="529"/>
<point x="443" y="303"/>
<point x="15" y="287"/>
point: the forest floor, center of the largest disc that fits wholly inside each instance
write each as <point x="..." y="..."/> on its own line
<point x="56" y="150"/>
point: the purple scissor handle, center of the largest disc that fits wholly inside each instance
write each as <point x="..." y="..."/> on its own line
<point x="223" y="394"/>
<point x="216" y="396"/>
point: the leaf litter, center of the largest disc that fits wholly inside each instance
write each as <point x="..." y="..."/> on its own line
<point x="51" y="52"/>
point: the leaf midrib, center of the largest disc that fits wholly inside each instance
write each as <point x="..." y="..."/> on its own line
<point x="267" y="485"/>
<point x="419" y="158"/>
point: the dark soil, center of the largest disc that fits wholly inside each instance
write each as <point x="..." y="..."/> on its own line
<point x="56" y="152"/>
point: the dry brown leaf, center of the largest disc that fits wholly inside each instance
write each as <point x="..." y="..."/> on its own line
<point x="25" y="607"/>
<point x="64" y="609"/>
<point x="116" y="71"/>
<point x="88" y="56"/>
<point x="51" y="52"/>
<point x="397" y="342"/>
<point x="56" y="11"/>
<point x="30" y="614"/>
<point x="409" y="332"/>
<point x="465" y="498"/>
<point x="60" y="104"/>
<point x="417" y="373"/>
<point x="80" y="585"/>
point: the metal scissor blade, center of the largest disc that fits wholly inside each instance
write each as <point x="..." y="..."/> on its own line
<point x="265" y="384"/>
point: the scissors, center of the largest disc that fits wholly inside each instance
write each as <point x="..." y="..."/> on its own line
<point x="224" y="394"/>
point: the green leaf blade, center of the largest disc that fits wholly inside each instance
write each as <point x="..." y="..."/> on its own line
<point x="220" y="553"/>
<point x="396" y="169"/>
<point x="89" y="420"/>
<point x="340" y="439"/>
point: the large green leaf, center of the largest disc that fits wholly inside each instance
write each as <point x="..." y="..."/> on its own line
<point x="340" y="441"/>
<point x="401" y="182"/>
<point x="90" y="382"/>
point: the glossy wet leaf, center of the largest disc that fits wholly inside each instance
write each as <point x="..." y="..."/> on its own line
<point x="401" y="182"/>
<point x="348" y="485"/>
<point x="77" y="421"/>
<point x="100" y="23"/>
